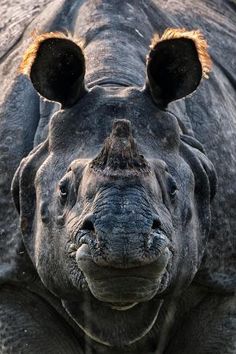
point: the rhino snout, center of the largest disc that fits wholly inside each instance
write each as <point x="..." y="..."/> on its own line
<point x="120" y="265"/>
<point x="122" y="247"/>
<point x="113" y="278"/>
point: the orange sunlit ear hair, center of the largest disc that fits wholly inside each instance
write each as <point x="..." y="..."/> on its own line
<point x="198" y="39"/>
<point x="176" y="64"/>
<point x="55" y="64"/>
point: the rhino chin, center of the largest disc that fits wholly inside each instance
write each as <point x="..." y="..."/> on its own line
<point x="89" y="311"/>
<point x="122" y="307"/>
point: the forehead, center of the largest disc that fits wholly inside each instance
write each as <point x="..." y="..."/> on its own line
<point x="85" y="126"/>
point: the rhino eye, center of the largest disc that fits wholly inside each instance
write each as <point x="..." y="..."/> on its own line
<point x="172" y="188"/>
<point x="63" y="189"/>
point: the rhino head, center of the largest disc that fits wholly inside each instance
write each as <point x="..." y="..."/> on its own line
<point x="115" y="204"/>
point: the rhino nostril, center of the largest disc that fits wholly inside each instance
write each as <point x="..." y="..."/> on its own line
<point x="88" y="225"/>
<point x="156" y="224"/>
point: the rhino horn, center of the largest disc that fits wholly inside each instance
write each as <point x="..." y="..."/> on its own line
<point x="120" y="152"/>
<point x="56" y="67"/>
<point x="175" y="65"/>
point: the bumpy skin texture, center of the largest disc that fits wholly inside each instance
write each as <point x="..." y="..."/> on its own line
<point x="195" y="312"/>
<point x="39" y="329"/>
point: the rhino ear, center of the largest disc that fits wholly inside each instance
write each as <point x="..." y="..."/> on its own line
<point x="56" y="67"/>
<point x="175" y="65"/>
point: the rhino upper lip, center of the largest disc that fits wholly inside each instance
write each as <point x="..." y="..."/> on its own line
<point x="87" y="237"/>
<point x="83" y="237"/>
<point x="146" y="272"/>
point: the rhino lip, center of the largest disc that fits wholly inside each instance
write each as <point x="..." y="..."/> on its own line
<point x="160" y="242"/>
<point x="126" y="288"/>
<point x="82" y="238"/>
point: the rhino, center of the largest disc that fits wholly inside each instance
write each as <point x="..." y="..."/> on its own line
<point x="120" y="158"/>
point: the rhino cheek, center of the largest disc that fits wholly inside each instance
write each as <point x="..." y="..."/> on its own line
<point x="187" y="255"/>
<point x="51" y="263"/>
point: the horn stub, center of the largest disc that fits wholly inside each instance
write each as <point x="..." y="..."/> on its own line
<point x="120" y="152"/>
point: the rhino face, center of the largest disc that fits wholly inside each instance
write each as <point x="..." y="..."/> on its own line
<point x="120" y="227"/>
<point x="114" y="212"/>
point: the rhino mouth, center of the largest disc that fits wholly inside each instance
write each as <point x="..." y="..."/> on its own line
<point x="123" y="289"/>
<point x="117" y="296"/>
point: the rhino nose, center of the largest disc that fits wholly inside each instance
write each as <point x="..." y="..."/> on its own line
<point x="88" y="223"/>
<point x="124" y="245"/>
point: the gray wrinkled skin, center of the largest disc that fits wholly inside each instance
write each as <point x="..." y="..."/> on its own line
<point x="115" y="259"/>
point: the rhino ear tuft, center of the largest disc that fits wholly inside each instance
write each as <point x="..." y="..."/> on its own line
<point x="56" y="67"/>
<point x="176" y="63"/>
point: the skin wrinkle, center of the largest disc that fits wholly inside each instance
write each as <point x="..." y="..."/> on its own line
<point x="101" y="206"/>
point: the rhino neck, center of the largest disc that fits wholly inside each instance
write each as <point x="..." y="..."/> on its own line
<point x="116" y="37"/>
<point x="173" y="309"/>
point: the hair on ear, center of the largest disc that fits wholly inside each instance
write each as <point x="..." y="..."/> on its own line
<point x="56" y="66"/>
<point x="198" y="39"/>
<point x="176" y="64"/>
<point x="31" y="52"/>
